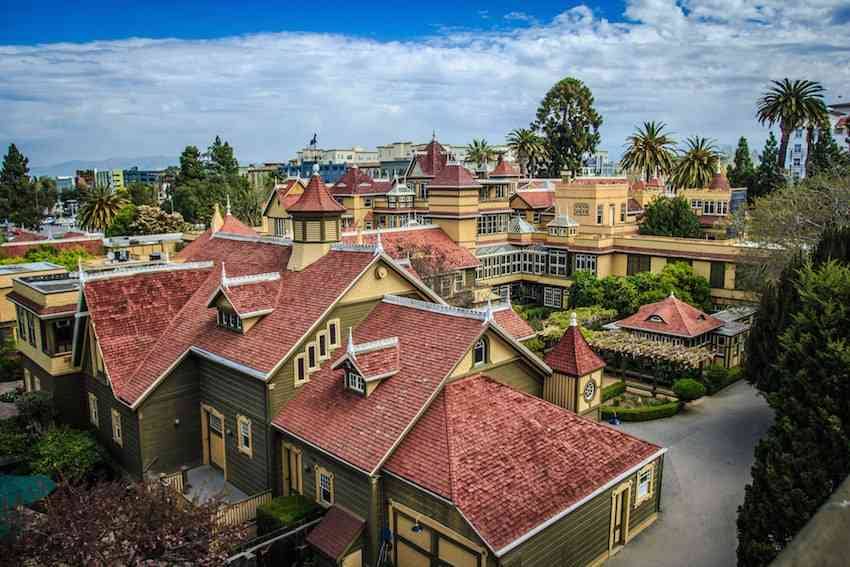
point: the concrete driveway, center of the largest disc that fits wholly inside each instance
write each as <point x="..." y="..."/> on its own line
<point x="710" y="451"/>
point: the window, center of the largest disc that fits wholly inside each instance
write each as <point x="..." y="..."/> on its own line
<point x="354" y="381"/>
<point x="645" y="487"/>
<point x="493" y="224"/>
<point x="535" y="217"/>
<point x="718" y="275"/>
<point x="423" y="190"/>
<point x="558" y="263"/>
<point x="22" y="329"/>
<point x="322" y="340"/>
<point x="116" y="427"/>
<point x="600" y="213"/>
<point x="367" y="202"/>
<point x="585" y="263"/>
<point x="581" y="210"/>
<point x="458" y="284"/>
<point x="479" y="352"/>
<point x="333" y="333"/>
<point x="94" y="418"/>
<point x="31" y="328"/>
<point x="312" y="357"/>
<point x="324" y="486"/>
<point x="300" y="370"/>
<point x="229" y="320"/>
<point x="552" y="297"/>
<point x="245" y="440"/>
<point x="637" y="263"/>
<point x="622" y="212"/>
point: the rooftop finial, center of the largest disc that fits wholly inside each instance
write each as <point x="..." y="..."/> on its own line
<point x="434" y="135"/>
<point x="81" y="274"/>
<point x="672" y="295"/>
<point x="223" y="276"/>
<point x="228" y="204"/>
<point x="379" y="247"/>
<point x="166" y="256"/>
<point x="350" y="348"/>
<point x="488" y="313"/>
<point x="573" y="319"/>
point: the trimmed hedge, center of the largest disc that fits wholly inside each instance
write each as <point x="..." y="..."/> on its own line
<point x="285" y="511"/>
<point x="688" y="390"/>
<point x="644" y="413"/>
<point x="613" y="390"/>
<point x="716" y="377"/>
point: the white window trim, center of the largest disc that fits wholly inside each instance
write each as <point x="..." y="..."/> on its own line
<point x="483" y="342"/>
<point x="94" y="414"/>
<point x="321" y="471"/>
<point x="650" y="490"/>
<point x="315" y="346"/>
<point x="355" y="382"/>
<point x="306" y="377"/>
<point x="249" y="449"/>
<point x="117" y="432"/>
<point x="319" y="336"/>
<point x="335" y="323"/>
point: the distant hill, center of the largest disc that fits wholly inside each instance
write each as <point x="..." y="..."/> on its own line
<point x="69" y="167"/>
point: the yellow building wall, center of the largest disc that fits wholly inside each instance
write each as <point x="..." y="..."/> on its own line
<point x="657" y="263"/>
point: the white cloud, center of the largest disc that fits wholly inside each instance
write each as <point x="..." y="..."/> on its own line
<point x="698" y="65"/>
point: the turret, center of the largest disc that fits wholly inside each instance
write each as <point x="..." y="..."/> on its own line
<point x="315" y="223"/>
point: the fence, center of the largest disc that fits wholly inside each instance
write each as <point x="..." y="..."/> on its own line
<point x="244" y="510"/>
<point x="174" y="480"/>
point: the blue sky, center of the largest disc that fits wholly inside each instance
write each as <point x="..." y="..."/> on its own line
<point x="81" y="80"/>
<point x="50" y="21"/>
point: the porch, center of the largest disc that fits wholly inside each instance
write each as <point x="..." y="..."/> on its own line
<point x="205" y="483"/>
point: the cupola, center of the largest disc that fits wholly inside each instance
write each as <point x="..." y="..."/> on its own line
<point x="315" y="223"/>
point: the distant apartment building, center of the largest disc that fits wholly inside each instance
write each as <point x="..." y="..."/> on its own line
<point x="64" y="183"/>
<point x="84" y="178"/>
<point x="839" y="122"/>
<point x="600" y="165"/>
<point x="146" y="176"/>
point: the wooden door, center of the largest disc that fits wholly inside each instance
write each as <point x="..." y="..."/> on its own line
<point x="618" y="518"/>
<point x="292" y="464"/>
<point x="215" y="428"/>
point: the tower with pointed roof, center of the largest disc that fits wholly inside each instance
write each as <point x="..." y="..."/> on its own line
<point x="576" y="381"/>
<point x="453" y="204"/>
<point x="316" y="217"/>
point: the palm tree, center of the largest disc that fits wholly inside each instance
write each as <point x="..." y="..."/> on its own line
<point x="480" y="153"/>
<point x="649" y="151"/>
<point x="792" y="104"/>
<point x="99" y="207"/>
<point x="527" y="147"/>
<point x="697" y="165"/>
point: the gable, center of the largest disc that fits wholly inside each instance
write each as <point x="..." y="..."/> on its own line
<point x="379" y="280"/>
<point x="500" y="352"/>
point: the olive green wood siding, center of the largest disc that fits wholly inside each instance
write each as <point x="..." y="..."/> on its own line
<point x="232" y="394"/>
<point x="648" y="507"/>
<point x="351" y="486"/>
<point x="66" y="391"/>
<point x="284" y="381"/>
<point x="519" y="376"/>
<point x="167" y="445"/>
<point x="129" y="454"/>
<point x="581" y="536"/>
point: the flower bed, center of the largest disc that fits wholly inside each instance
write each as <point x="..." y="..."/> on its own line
<point x="613" y="390"/>
<point x="631" y="407"/>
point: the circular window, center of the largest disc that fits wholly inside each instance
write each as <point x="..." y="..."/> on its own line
<point x="589" y="390"/>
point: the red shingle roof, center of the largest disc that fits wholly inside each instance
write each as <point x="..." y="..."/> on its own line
<point x="433" y="159"/>
<point x="168" y="331"/>
<point x="233" y="225"/>
<point x="335" y="532"/>
<point x="537" y="198"/>
<point x="504" y="169"/>
<point x="252" y="297"/>
<point x="361" y="430"/>
<point x="511" y="461"/>
<point x="719" y="182"/>
<point x="373" y="360"/>
<point x="281" y="194"/>
<point x="316" y="199"/>
<point x="573" y="356"/>
<point x="430" y="244"/>
<point x="512" y="323"/>
<point x="357" y="182"/>
<point x="671" y="316"/>
<point x="454" y="175"/>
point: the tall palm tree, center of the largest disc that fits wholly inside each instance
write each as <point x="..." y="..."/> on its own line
<point x="480" y="153"/>
<point x="649" y="151"/>
<point x="792" y="104"/>
<point x="527" y="147"/>
<point x="99" y="207"/>
<point x="697" y="164"/>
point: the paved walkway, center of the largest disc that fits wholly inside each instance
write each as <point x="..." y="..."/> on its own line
<point x="8" y="410"/>
<point x="710" y="451"/>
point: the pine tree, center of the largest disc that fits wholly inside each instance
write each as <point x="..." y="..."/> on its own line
<point x="742" y="171"/>
<point x="826" y="157"/>
<point x="768" y="176"/>
<point x="191" y="168"/>
<point x="18" y="193"/>
<point x="221" y="161"/>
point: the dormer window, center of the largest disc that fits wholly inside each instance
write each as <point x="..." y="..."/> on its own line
<point x="655" y="319"/>
<point x="479" y="352"/>
<point x="354" y="381"/>
<point x="229" y="320"/>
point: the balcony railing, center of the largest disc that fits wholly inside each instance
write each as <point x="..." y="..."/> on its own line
<point x="244" y="510"/>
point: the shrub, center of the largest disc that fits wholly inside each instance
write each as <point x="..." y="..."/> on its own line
<point x="612" y="391"/>
<point x="285" y="511"/>
<point x="66" y="454"/>
<point x="688" y="390"/>
<point x="642" y="413"/>
<point x="11" y="396"/>
<point x="13" y="439"/>
<point x="535" y="345"/>
<point x="36" y="408"/>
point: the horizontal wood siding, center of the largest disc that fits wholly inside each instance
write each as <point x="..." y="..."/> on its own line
<point x="284" y="381"/>
<point x="519" y="376"/>
<point x="351" y="487"/>
<point x="129" y="454"/>
<point x="167" y="445"/>
<point x="648" y="507"/>
<point x="232" y="394"/>
<point x="67" y="392"/>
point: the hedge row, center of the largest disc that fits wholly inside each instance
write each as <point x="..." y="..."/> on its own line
<point x="644" y="413"/>
<point x="613" y="390"/>
<point x="285" y="511"/>
<point x="716" y="377"/>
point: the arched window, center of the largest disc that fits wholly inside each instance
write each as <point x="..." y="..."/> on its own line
<point x="479" y="352"/>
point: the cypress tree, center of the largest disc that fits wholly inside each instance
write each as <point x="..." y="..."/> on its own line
<point x="742" y="172"/>
<point x="768" y="176"/>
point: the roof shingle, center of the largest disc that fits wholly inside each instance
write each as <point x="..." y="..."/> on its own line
<point x="671" y="316"/>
